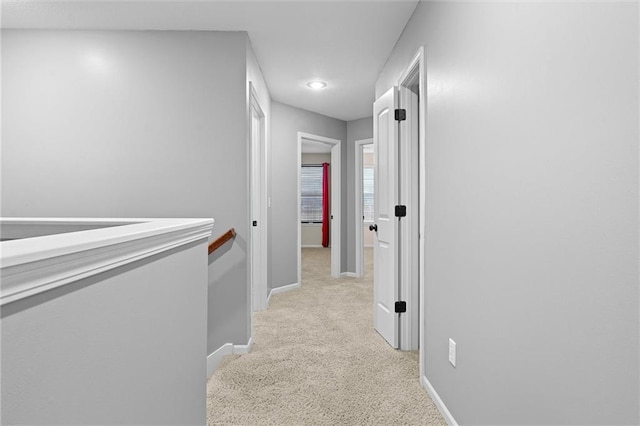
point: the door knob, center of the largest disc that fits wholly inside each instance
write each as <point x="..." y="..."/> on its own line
<point x="373" y="227"/>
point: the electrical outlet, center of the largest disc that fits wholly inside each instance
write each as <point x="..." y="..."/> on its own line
<point x="452" y="352"/>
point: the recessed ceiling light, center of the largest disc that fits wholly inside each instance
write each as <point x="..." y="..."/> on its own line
<point x="317" y="85"/>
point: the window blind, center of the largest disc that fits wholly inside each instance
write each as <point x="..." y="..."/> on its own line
<point x="311" y="194"/>
<point x="367" y="193"/>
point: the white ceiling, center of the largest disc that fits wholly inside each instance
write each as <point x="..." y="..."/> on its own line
<point x="344" y="43"/>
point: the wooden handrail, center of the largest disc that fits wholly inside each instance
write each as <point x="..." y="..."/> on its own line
<point x="229" y="235"/>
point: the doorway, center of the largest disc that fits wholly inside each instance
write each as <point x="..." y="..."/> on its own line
<point x="400" y="211"/>
<point x="412" y="91"/>
<point x="364" y="197"/>
<point x="409" y="154"/>
<point x="334" y="146"/>
<point x="412" y="85"/>
<point x="257" y="203"/>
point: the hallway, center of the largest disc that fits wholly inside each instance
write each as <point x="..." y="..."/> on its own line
<point x="317" y="360"/>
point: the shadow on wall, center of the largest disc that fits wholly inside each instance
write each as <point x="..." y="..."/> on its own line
<point x="226" y="247"/>
<point x="220" y="251"/>
<point x="227" y="316"/>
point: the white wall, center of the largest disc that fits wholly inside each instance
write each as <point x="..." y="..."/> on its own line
<point x="311" y="235"/>
<point x="134" y="124"/>
<point x="286" y="122"/>
<point x="532" y="207"/>
<point x="356" y="130"/>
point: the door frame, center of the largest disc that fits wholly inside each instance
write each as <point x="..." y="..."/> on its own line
<point x="412" y="325"/>
<point x="258" y="152"/>
<point x="336" y="196"/>
<point x="359" y="237"/>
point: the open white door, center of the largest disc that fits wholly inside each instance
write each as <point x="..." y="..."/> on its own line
<point x="385" y="250"/>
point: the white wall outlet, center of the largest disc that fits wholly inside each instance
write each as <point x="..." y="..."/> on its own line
<point x="452" y="352"/>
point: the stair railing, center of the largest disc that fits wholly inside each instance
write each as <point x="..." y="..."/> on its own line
<point x="229" y="235"/>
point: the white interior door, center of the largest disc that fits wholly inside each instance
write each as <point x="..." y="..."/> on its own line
<point x="385" y="246"/>
<point x="256" y="202"/>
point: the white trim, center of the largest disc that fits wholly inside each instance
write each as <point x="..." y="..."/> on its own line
<point x="359" y="222"/>
<point x="336" y="191"/>
<point x="312" y="246"/>
<point x="214" y="359"/>
<point x="258" y="162"/>
<point x="448" y="417"/>
<point x="417" y="67"/>
<point x="283" y="289"/>
<point x="316" y="138"/>
<point x="335" y="242"/>
<point x="34" y="265"/>
<point x="349" y="274"/>
<point x="422" y="172"/>
<point x="243" y="349"/>
<point x="409" y="226"/>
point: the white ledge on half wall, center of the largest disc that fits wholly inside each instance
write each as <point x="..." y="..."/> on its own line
<point x="39" y="254"/>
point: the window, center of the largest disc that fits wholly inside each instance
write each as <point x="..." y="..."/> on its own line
<point x="367" y="193"/>
<point x="311" y="194"/>
<point x="368" y="180"/>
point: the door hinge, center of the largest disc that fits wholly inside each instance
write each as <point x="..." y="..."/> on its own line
<point x="401" y="211"/>
<point x="401" y="307"/>
<point x="401" y="114"/>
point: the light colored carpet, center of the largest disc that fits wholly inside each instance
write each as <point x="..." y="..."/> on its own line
<point x="316" y="360"/>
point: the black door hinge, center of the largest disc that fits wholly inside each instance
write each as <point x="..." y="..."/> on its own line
<point x="401" y="114"/>
<point x="401" y="307"/>
<point x="401" y="211"/>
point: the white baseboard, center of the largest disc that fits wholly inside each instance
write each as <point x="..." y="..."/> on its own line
<point x="214" y="359"/>
<point x="243" y="349"/>
<point x="438" y="401"/>
<point x="349" y="274"/>
<point x="283" y="289"/>
<point x="227" y="349"/>
<point x="312" y="246"/>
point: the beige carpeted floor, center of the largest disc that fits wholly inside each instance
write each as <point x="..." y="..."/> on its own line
<point x="316" y="360"/>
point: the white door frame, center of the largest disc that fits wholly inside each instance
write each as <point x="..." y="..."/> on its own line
<point x="412" y="325"/>
<point x="335" y="201"/>
<point x="359" y="239"/>
<point x="258" y="196"/>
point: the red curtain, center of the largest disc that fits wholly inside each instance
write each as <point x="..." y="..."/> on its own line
<point x="325" y="204"/>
